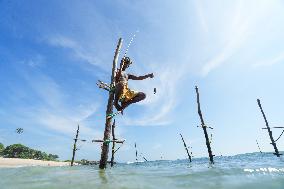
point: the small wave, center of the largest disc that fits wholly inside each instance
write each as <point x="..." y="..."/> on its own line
<point x="131" y="162"/>
<point x="269" y="169"/>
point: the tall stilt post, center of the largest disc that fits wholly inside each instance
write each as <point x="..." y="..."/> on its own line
<point x="105" y="146"/>
<point x="136" y="153"/>
<point x="113" y="144"/>
<point x="204" y="127"/>
<point x="184" y="144"/>
<point x="269" y="131"/>
<point x="74" y="147"/>
<point x="258" y="147"/>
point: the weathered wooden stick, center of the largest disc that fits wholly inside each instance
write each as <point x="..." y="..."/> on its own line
<point x="136" y="153"/>
<point x="144" y="158"/>
<point x="279" y="136"/>
<point x="258" y="146"/>
<point x="117" y="149"/>
<point x="184" y="144"/>
<point x="108" y="141"/>
<point x="104" y="86"/>
<point x="74" y="147"/>
<point x="105" y="147"/>
<point x="204" y="127"/>
<point x="113" y="143"/>
<point x="275" y="128"/>
<point x="269" y="130"/>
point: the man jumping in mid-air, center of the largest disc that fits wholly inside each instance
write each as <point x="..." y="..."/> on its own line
<point x="122" y="93"/>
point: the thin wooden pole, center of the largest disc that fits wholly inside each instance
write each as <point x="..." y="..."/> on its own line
<point x="113" y="144"/>
<point x="184" y="144"/>
<point x="74" y="147"/>
<point x="136" y="153"/>
<point x="105" y="147"/>
<point x="144" y="158"/>
<point x="204" y="127"/>
<point x="269" y="131"/>
<point x="258" y="147"/>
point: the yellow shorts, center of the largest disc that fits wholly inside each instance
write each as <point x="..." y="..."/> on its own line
<point x="127" y="94"/>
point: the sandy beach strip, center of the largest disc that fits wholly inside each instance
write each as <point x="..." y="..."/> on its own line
<point x="17" y="162"/>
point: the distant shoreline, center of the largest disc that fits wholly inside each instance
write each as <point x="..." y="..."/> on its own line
<point x="17" y="162"/>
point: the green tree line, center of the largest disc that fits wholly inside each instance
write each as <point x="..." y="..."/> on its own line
<point x="24" y="152"/>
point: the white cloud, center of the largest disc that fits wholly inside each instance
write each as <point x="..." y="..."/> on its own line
<point x="200" y="13"/>
<point x="47" y="89"/>
<point x="160" y="105"/>
<point x="275" y="60"/>
<point x="35" y="61"/>
<point x="78" y="50"/>
<point x="53" y="109"/>
<point x="243" y="24"/>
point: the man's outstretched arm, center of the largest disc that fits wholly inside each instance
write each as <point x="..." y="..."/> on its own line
<point x="133" y="77"/>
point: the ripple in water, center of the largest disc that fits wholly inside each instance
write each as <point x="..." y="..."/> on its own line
<point x="247" y="171"/>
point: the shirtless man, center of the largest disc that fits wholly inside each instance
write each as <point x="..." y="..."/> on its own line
<point x="123" y="94"/>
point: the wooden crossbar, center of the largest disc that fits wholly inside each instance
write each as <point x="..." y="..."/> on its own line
<point x="116" y="141"/>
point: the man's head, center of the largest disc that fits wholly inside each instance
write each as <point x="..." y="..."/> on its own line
<point x="125" y="61"/>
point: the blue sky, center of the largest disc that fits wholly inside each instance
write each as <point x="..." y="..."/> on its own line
<point x="53" y="52"/>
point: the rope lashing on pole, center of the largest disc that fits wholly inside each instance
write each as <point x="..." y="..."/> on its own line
<point x="111" y="115"/>
<point x="107" y="141"/>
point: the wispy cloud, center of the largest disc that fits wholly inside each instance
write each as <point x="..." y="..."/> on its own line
<point x="235" y="38"/>
<point x="160" y="105"/>
<point x="270" y="62"/>
<point x="36" y="61"/>
<point x="242" y="25"/>
<point x="52" y="107"/>
<point x="201" y="16"/>
<point x="78" y="50"/>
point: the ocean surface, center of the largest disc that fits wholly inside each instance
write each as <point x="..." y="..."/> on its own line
<point x="247" y="171"/>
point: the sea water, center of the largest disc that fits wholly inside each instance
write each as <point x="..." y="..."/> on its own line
<point x="247" y="171"/>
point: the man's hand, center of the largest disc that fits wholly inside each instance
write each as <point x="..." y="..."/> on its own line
<point x="151" y="75"/>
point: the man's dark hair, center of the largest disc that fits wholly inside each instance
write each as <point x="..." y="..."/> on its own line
<point x="126" y="60"/>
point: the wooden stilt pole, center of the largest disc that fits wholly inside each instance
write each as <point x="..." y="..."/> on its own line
<point x="136" y="153"/>
<point x="74" y="147"/>
<point x="144" y="158"/>
<point x="258" y="147"/>
<point x="269" y="131"/>
<point x="184" y="144"/>
<point x="105" y="146"/>
<point x="204" y="127"/>
<point x="113" y="144"/>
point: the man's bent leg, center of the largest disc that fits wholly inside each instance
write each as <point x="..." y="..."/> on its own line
<point x="118" y="92"/>
<point x="139" y="97"/>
